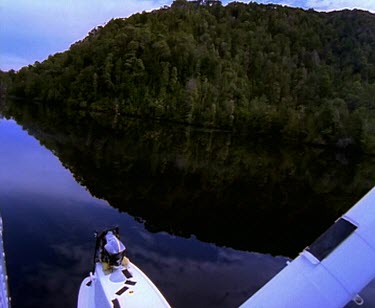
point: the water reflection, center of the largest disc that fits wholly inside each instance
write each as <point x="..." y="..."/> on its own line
<point x="51" y="274"/>
<point x="49" y="222"/>
<point x="49" y="251"/>
<point x="223" y="189"/>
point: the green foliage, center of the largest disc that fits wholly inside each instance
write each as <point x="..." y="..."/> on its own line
<point x="5" y="81"/>
<point x="245" y="67"/>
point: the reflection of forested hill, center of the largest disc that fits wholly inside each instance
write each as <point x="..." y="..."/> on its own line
<point x="221" y="189"/>
<point x="276" y="70"/>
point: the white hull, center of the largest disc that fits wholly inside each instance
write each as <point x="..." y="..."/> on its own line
<point x="332" y="271"/>
<point x="4" y="296"/>
<point x="123" y="287"/>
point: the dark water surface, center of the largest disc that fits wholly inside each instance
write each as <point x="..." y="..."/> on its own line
<point x="209" y="217"/>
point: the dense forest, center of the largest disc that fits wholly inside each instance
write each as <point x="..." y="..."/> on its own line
<point x="253" y="69"/>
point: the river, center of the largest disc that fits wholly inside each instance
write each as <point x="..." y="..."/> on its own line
<point x="208" y="216"/>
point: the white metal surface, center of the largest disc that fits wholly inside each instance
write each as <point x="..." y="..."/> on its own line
<point x="105" y="288"/>
<point x="333" y="281"/>
<point x="4" y="296"/>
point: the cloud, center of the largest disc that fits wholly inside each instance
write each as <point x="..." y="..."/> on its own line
<point x="326" y="5"/>
<point x="330" y="5"/>
<point x="31" y="30"/>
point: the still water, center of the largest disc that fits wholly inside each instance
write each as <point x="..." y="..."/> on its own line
<point x="208" y="217"/>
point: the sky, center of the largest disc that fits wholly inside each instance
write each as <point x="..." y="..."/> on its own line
<point x="31" y="30"/>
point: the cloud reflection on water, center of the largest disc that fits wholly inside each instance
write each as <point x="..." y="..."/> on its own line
<point x="49" y="220"/>
<point x="188" y="282"/>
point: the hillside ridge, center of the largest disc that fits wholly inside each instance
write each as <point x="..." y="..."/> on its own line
<point x="274" y="70"/>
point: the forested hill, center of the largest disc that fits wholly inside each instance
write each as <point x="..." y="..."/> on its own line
<point x="267" y="69"/>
